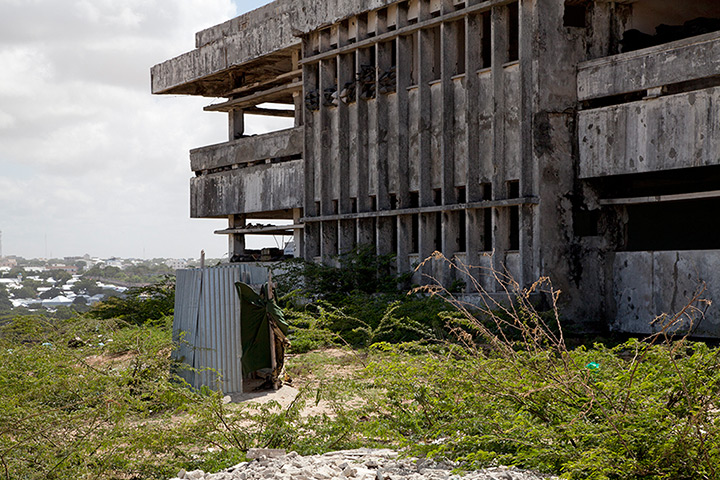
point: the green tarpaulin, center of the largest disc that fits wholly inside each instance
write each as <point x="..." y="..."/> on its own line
<point x="257" y="314"/>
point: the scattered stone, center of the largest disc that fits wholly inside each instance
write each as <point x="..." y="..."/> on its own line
<point x="265" y="452"/>
<point x="360" y="464"/>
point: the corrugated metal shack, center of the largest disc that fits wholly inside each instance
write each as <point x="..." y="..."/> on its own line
<point x="207" y="324"/>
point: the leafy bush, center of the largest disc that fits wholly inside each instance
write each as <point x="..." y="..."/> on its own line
<point x="360" y="270"/>
<point x="139" y="305"/>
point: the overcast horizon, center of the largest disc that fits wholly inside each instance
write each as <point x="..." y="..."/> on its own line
<point x="92" y="163"/>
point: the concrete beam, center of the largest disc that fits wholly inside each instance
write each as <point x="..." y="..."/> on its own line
<point x="676" y="131"/>
<point x="680" y="61"/>
<point x="280" y="144"/>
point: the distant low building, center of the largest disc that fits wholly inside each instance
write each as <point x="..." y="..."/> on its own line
<point x="8" y="262"/>
<point x="65" y="268"/>
<point x="176" y="263"/>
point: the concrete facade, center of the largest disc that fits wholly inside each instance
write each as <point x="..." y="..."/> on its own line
<point x="512" y="134"/>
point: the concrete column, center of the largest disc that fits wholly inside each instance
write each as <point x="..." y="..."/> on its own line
<point x="529" y="179"/>
<point x="362" y="58"/>
<point x="347" y="236"/>
<point x="426" y="244"/>
<point x="448" y="32"/>
<point x="329" y="240"/>
<point x="236" y="124"/>
<point x="297" y="96"/>
<point x="311" y="233"/>
<point x="473" y="62"/>
<point x="298" y="237"/>
<point x="236" y="241"/>
<point x="501" y="227"/>
<point x="365" y="231"/>
<point x="403" y="72"/>
<point x="425" y="54"/>
<point x="405" y="233"/>
<point x="328" y="70"/>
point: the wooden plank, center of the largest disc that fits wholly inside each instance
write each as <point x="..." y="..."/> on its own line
<point x="280" y="78"/>
<point x="255" y="98"/>
<point x="269" y="112"/>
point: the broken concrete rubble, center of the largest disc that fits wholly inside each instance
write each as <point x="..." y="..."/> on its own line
<point x="360" y="464"/>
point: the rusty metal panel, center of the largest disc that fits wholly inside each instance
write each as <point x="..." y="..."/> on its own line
<point x="207" y="308"/>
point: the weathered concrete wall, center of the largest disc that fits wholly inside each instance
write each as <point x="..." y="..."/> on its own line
<point x="689" y="59"/>
<point x="268" y="29"/>
<point x="648" y="284"/>
<point x="262" y="188"/>
<point x="677" y="131"/>
<point x="284" y="143"/>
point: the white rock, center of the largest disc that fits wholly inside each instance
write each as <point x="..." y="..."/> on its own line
<point x="195" y="475"/>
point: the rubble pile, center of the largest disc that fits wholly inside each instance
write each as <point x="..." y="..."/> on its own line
<point x="361" y="464"/>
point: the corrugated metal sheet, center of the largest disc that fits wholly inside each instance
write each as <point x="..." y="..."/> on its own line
<point x="207" y="310"/>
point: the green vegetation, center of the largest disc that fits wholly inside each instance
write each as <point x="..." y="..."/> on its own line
<point x="96" y="395"/>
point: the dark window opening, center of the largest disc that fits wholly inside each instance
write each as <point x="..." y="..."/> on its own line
<point x="460" y="44"/>
<point x="394" y="239"/>
<point x="513" y="189"/>
<point x="414" y="64"/>
<point x="461" y="195"/>
<point x="348" y="92"/>
<point x="393" y="201"/>
<point x="435" y="14"/>
<point x="414" y="199"/>
<point x="335" y="207"/>
<point x="686" y="225"/>
<point x="367" y="73"/>
<point x="437" y="196"/>
<point x="486" y="191"/>
<point x="353" y="205"/>
<point x="438" y="231"/>
<point x="486" y="41"/>
<point x="373" y="203"/>
<point x="514" y="228"/>
<point x="436" y="53"/>
<point x="487" y="245"/>
<point x="669" y="182"/>
<point x="575" y="15"/>
<point x="462" y="231"/>
<point x="513" y="32"/>
<point x="387" y="79"/>
<point x="318" y="212"/>
<point x="415" y="235"/>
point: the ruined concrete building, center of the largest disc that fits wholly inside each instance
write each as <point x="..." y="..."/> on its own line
<point x="578" y="139"/>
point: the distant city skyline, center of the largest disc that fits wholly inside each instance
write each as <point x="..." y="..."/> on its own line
<point x="90" y="161"/>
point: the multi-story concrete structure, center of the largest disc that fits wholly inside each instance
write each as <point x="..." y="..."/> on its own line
<point x="476" y="126"/>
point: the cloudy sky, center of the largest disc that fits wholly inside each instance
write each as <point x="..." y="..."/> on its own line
<point x="90" y="162"/>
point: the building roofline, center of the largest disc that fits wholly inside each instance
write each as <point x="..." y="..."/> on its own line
<point x="259" y="33"/>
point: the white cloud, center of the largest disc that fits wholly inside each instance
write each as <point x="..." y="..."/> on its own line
<point x="88" y="158"/>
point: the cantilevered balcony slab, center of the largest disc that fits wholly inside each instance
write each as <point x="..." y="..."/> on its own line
<point x="283" y="144"/>
<point x="250" y="190"/>
<point x="671" y="132"/>
<point x="686" y="60"/>
<point x="258" y="36"/>
<point x="251" y="175"/>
